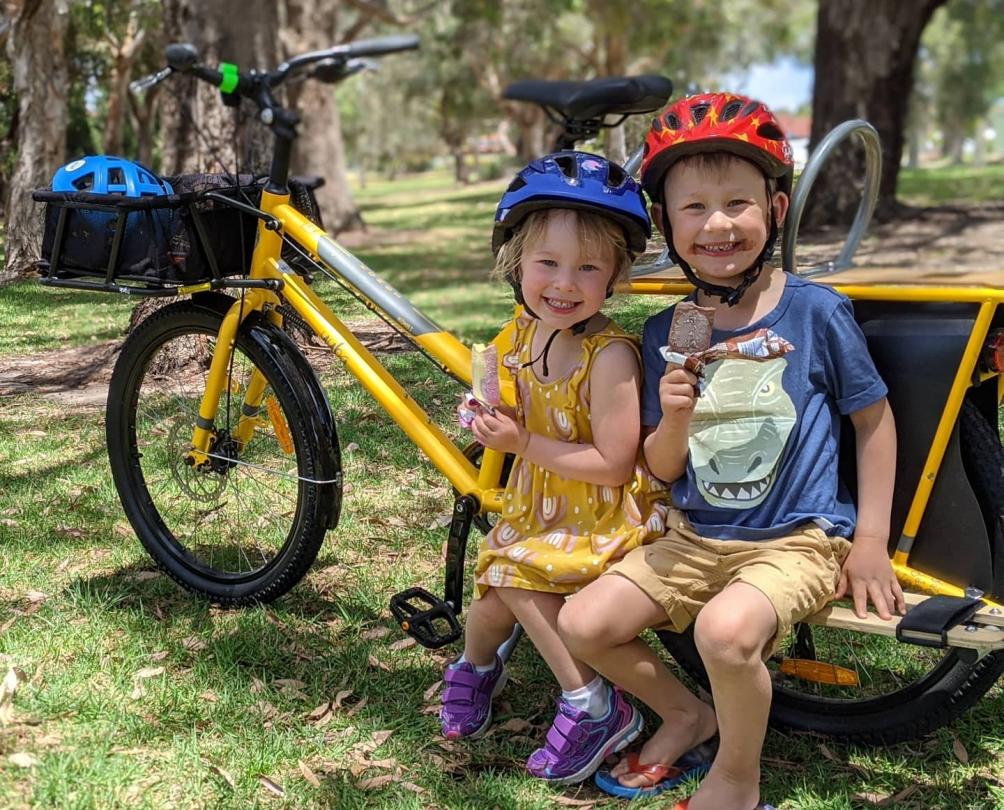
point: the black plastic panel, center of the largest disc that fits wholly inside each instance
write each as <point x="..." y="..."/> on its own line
<point x="917" y="348"/>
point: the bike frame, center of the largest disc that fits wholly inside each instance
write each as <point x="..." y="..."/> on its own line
<point x="448" y="353"/>
<point x="451" y="356"/>
<point x="273" y="282"/>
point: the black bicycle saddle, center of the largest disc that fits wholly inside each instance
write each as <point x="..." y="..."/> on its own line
<point x="613" y="95"/>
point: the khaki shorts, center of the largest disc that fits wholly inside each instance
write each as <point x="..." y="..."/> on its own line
<point x="682" y="571"/>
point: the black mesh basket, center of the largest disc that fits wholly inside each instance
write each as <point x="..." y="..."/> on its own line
<point x="157" y="242"/>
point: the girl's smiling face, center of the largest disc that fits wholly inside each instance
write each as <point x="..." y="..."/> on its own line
<point x="719" y="216"/>
<point x="564" y="278"/>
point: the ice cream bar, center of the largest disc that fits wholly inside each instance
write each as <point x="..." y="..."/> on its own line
<point x="485" y="374"/>
<point x="690" y="330"/>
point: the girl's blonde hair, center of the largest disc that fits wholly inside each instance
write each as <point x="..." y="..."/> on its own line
<point x="597" y="234"/>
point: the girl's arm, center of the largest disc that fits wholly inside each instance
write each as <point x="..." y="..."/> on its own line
<point x="614" y="415"/>
<point x="867" y="573"/>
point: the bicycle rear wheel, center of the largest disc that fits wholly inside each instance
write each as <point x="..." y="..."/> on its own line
<point x="247" y="525"/>
<point x="904" y="690"/>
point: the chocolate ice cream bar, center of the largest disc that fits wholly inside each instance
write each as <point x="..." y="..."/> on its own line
<point x="690" y="330"/>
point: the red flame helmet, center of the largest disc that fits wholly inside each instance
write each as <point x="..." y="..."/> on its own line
<point x="716" y="122"/>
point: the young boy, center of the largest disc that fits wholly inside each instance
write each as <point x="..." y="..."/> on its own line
<point x="759" y="540"/>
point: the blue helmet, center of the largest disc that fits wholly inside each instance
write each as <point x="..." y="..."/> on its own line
<point x="576" y="180"/>
<point x="106" y="174"/>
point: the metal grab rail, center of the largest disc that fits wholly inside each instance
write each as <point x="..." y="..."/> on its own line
<point x="873" y="173"/>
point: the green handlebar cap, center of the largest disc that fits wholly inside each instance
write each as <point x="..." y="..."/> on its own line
<point x="230" y="77"/>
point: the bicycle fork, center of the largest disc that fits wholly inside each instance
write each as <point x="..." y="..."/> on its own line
<point x="204" y="434"/>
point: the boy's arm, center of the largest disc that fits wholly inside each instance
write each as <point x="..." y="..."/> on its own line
<point x="867" y="572"/>
<point x="667" y="447"/>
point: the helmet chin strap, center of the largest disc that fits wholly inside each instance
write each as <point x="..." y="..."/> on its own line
<point x="728" y="295"/>
<point x="575" y="328"/>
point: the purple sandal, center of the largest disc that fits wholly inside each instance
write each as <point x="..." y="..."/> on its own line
<point x="467" y="699"/>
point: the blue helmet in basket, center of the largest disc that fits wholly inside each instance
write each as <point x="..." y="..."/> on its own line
<point x="107" y="174"/>
<point x="576" y="180"/>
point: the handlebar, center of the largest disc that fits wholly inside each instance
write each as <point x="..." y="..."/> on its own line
<point x="335" y="63"/>
<point x="330" y="65"/>
<point x="352" y="50"/>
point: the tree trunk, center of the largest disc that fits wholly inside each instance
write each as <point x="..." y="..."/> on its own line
<point x="123" y="55"/>
<point x="615" y="50"/>
<point x="616" y="145"/>
<point x="320" y="150"/>
<point x="144" y="111"/>
<point x="459" y="166"/>
<point x="309" y="25"/>
<point x="865" y="54"/>
<point x="200" y="133"/>
<point x="35" y="49"/>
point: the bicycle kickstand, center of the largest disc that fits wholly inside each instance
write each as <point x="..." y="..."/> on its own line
<point x="432" y="621"/>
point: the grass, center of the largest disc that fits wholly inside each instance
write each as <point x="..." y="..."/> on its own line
<point x="135" y="694"/>
<point x="947" y="184"/>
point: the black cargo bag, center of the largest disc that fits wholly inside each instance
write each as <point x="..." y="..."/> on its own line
<point x="157" y="242"/>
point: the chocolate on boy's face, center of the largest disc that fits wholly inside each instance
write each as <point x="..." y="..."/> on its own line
<point x="719" y="217"/>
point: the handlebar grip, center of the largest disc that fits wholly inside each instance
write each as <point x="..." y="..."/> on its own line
<point x="182" y="56"/>
<point x="382" y="45"/>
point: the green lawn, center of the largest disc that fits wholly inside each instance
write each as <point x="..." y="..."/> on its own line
<point x="134" y="694"/>
<point x="951" y="184"/>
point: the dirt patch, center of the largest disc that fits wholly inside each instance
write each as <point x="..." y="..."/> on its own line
<point x="76" y="376"/>
<point x="79" y="376"/>
<point x="956" y="236"/>
<point x="959" y="236"/>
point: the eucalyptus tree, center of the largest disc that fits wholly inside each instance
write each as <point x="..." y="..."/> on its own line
<point x="865" y="56"/>
<point x="963" y="52"/>
<point x="32" y="33"/>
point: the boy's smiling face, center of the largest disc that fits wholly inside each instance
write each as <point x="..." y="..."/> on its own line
<point x="718" y="215"/>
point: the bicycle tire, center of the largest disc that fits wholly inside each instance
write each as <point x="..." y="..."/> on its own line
<point x="927" y="687"/>
<point x="233" y="533"/>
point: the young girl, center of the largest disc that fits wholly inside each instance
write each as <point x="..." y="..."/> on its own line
<point x="566" y="230"/>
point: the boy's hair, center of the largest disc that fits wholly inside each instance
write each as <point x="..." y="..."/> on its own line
<point x="596" y="233"/>
<point x="716" y="162"/>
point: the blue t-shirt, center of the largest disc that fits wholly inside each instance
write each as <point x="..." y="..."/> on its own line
<point x="765" y="434"/>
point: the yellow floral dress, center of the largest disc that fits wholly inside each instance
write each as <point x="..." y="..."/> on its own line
<point x="555" y="534"/>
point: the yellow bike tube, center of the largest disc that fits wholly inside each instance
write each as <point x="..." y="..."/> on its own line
<point x="219" y="368"/>
<point x="400" y="406"/>
<point x="943" y="434"/>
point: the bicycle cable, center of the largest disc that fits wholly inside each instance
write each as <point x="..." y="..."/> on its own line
<point x="239" y="463"/>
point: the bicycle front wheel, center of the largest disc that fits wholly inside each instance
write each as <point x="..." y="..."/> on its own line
<point x="245" y="526"/>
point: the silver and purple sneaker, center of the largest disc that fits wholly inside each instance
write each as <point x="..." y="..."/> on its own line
<point x="576" y="744"/>
<point x="467" y="700"/>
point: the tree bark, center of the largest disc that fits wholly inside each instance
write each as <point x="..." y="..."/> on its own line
<point x="320" y="150"/>
<point x="314" y="25"/>
<point x="123" y="55"/>
<point x="200" y="133"/>
<point x="865" y="54"/>
<point x="35" y="49"/>
<point x="144" y="111"/>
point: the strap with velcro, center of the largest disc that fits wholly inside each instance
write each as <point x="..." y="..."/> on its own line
<point x="928" y="623"/>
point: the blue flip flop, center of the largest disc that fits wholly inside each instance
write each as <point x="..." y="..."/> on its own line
<point x="695" y="762"/>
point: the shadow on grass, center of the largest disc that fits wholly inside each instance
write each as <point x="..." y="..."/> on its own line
<point x="31" y="476"/>
<point x="317" y="635"/>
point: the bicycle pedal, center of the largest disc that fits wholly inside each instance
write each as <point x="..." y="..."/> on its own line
<point x="425" y="617"/>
